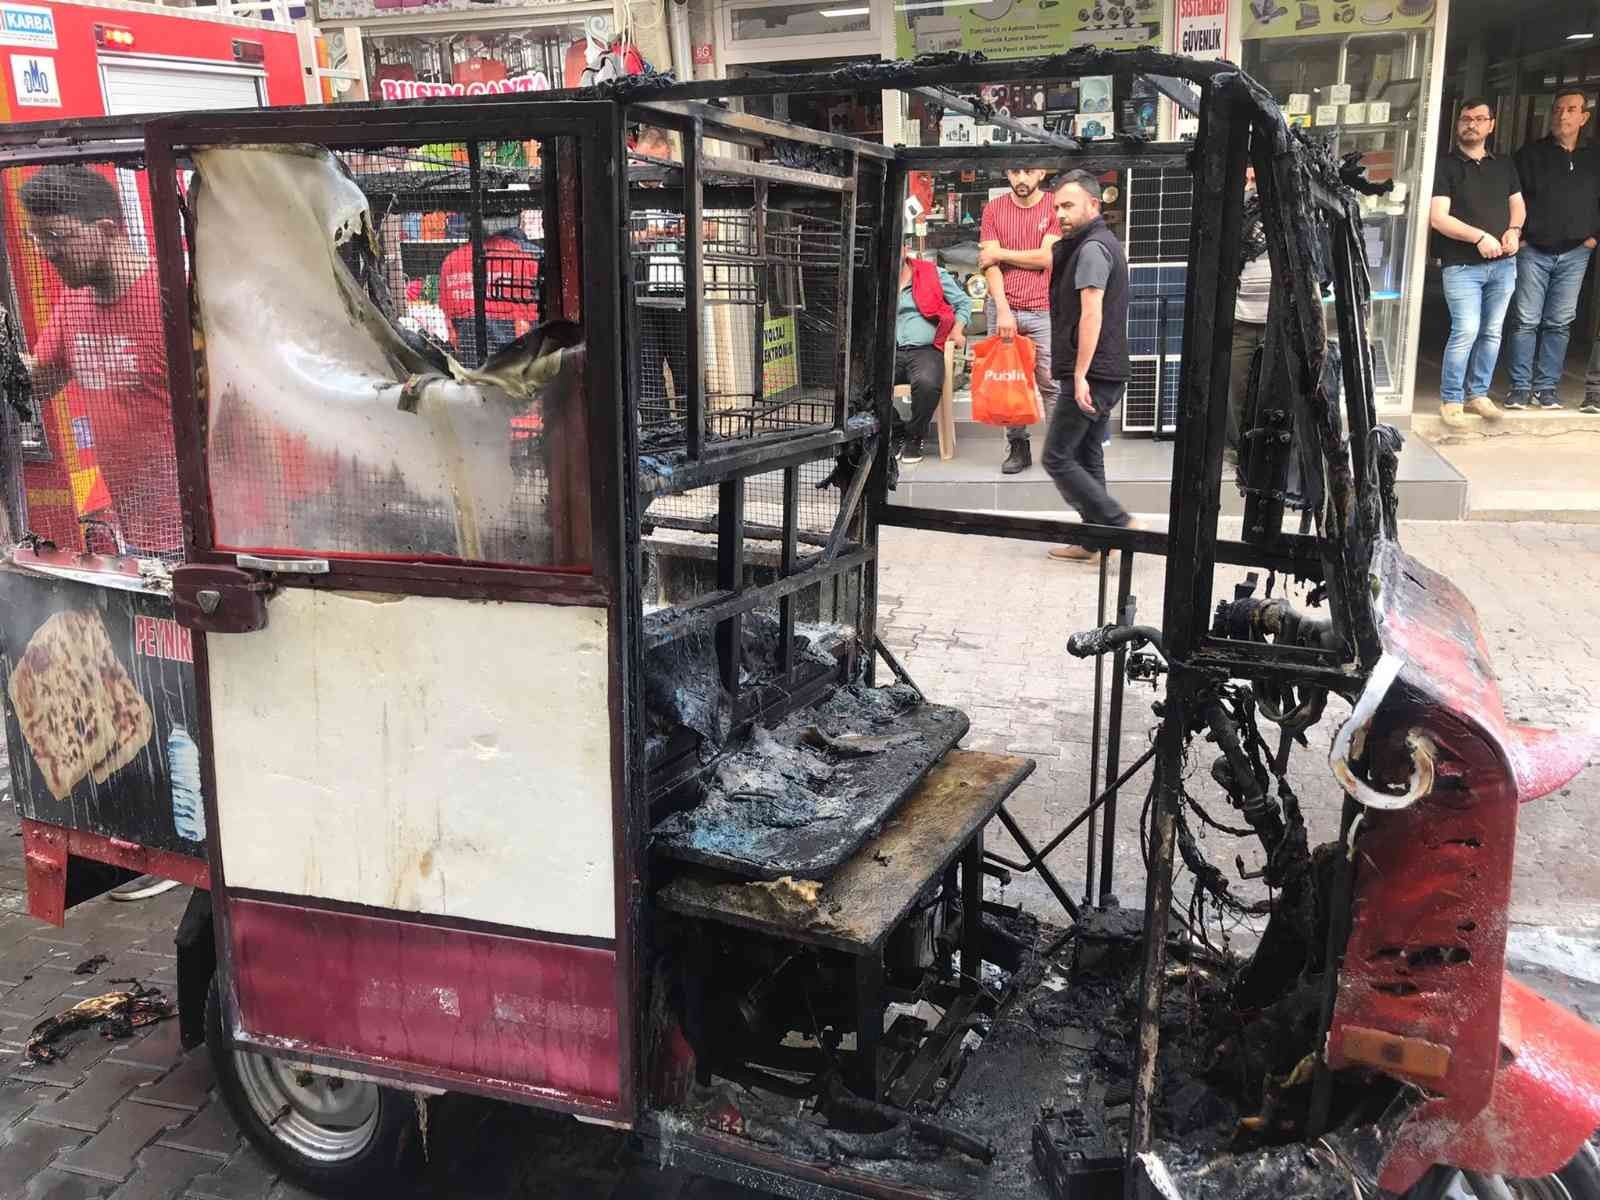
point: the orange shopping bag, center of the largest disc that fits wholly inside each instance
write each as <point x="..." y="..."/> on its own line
<point x="1003" y="390"/>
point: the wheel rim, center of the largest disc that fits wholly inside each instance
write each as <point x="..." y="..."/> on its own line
<point x="323" y="1117"/>
<point x="1467" y="1186"/>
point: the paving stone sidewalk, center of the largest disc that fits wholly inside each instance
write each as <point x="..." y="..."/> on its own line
<point x="979" y="623"/>
<point x="983" y="623"/>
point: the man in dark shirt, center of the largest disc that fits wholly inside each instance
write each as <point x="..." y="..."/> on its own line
<point x="1089" y="330"/>
<point x="1561" y="185"/>
<point x="1476" y="216"/>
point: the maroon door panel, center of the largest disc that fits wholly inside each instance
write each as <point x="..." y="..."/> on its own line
<point x="527" y="1015"/>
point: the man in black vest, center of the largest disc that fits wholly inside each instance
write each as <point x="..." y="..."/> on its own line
<point x="1089" y="328"/>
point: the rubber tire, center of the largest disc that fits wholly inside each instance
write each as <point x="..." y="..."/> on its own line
<point x="1582" y="1175"/>
<point x="1581" y="1178"/>
<point x="386" y="1166"/>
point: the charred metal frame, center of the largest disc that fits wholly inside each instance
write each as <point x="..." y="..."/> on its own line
<point x="729" y="464"/>
<point x="1303" y="197"/>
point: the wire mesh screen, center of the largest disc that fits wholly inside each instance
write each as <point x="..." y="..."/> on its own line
<point x="92" y="408"/>
<point x="454" y="254"/>
<point x="384" y="379"/>
<point x="817" y="506"/>
<point x="770" y="307"/>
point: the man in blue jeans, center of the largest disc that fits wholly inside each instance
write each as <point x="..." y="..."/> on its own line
<point x="1561" y="185"/>
<point x="1089" y="331"/>
<point x="1476" y="216"/>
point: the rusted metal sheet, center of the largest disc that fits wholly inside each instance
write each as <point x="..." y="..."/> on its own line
<point x="541" y="1015"/>
<point x="46" y="848"/>
<point x="870" y="894"/>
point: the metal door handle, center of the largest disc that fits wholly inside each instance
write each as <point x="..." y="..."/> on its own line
<point x="282" y="566"/>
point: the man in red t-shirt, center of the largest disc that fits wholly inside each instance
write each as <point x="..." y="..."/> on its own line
<point x="511" y="292"/>
<point x="105" y="338"/>
<point x="1014" y="244"/>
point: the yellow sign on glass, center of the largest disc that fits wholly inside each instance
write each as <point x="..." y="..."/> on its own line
<point x="780" y="367"/>
<point x="1308" y="18"/>
<point x="1024" y="28"/>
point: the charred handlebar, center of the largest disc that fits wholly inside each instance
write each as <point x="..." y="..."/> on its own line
<point x="1092" y="643"/>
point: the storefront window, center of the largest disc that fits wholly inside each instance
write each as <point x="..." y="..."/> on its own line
<point x="750" y="22"/>
<point x="405" y="66"/>
<point x="1148" y="209"/>
<point x="1367" y="88"/>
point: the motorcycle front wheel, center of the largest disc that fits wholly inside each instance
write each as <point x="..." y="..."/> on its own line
<point x="1578" y="1180"/>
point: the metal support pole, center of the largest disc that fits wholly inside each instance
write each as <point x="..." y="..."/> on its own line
<point x="1158" y="902"/>
<point x="480" y="271"/>
<point x="730" y="578"/>
<point x="1127" y="608"/>
<point x="1094" y="740"/>
<point x="758" y="360"/>
<point x="694" y="258"/>
<point x="1045" y="873"/>
<point x="1221" y="154"/>
<point x="847" y="260"/>
<point x="791" y="520"/>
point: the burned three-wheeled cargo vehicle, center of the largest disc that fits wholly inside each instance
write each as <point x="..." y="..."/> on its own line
<point x="508" y="682"/>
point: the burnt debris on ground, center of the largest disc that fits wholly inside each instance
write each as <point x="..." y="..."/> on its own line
<point x="117" y="1014"/>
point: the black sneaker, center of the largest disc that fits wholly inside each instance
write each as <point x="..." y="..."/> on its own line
<point x="1590" y="405"/>
<point x="1548" y="401"/>
<point x="1516" y="400"/>
<point x="911" y="452"/>
<point x="1020" y="458"/>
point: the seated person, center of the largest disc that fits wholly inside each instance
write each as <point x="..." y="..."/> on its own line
<point x="932" y="310"/>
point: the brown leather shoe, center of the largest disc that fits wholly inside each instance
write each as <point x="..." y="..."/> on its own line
<point x="1483" y="407"/>
<point x="1079" y="554"/>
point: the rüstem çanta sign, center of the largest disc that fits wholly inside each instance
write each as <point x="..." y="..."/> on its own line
<point x="416" y="89"/>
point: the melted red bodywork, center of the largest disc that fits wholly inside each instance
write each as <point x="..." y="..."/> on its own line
<point x="1545" y="1104"/>
<point x="533" y="1017"/>
<point x="1425" y="961"/>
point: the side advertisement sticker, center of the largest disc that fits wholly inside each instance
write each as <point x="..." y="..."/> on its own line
<point x="100" y="712"/>
<point x="34" y="80"/>
<point x="27" y="25"/>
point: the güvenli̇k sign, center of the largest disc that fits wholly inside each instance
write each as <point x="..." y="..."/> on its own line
<point x="1203" y="28"/>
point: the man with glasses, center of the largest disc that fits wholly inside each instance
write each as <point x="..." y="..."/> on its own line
<point x="1561" y="184"/>
<point x="105" y="338"/>
<point x="1476" y="216"/>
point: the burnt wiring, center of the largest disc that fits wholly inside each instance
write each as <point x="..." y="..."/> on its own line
<point x="1249" y="774"/>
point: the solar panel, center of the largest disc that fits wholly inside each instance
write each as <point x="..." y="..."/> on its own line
<point x="1151" y="402"/>
<point x="1155" y="302"/>
<point x="1160" y="209"/>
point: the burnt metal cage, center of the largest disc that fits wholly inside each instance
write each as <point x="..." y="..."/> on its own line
<point x="756" y="255"/>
